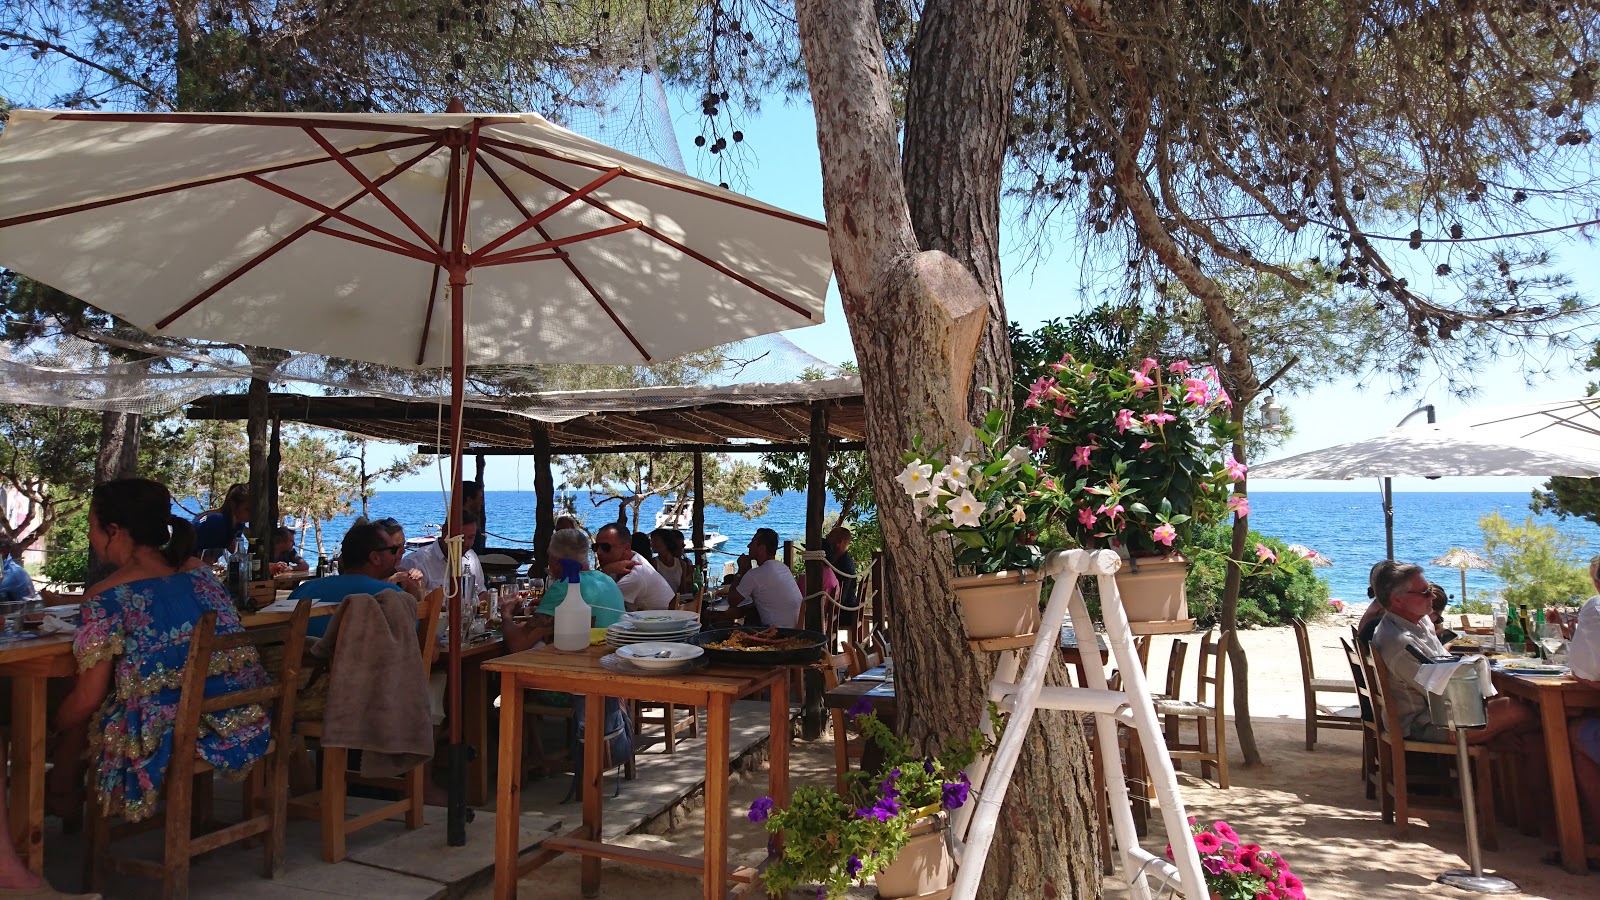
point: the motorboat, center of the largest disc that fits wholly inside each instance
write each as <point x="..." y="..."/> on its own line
<point x="677" y="513"/>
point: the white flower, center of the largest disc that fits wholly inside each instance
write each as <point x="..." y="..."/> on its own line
<point x="915" y="478"/>
<point x="965" y="510"/>
<point x="956" y="473"/>
<point x="1016" y="456"/>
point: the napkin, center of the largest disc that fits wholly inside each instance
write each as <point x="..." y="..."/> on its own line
<point x="56" y="625"/>
<point x="1434" y="676"/>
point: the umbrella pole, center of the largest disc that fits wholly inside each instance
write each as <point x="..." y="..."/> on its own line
<point x="1388" y="516"/>
<point x="1463" y="586"/>
<point x="456" y="818"/>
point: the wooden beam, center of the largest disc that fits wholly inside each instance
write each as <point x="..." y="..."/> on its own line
<point x="544" y="487"/>
<point x="744" y="427"/>
<point x="597" y="449"/>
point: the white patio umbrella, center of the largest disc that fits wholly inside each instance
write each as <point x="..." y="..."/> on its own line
<point x="1432" y="451"/>
<point x="338" y="234"/>
<point x="1571" y="423"/>
<point x="1463" y="559"/>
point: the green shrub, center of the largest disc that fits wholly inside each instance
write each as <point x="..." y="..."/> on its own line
<point x="1538" y="564"/>
<point x="1270" y="597"/>
<point x="68" y="544"/>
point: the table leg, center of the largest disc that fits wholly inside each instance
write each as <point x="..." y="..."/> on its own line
<point x="475" y="719"/>
<point x="716" y="832"/>
<point x="1563" y="787"/>
<point x="594" y="782"/>
<point x="778" y="737"/>
<point x="508" y="802"/>
<point x="27" y="769"/>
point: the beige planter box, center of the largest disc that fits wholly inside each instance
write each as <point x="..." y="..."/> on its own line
<point x="1002" y="604"/>
<point x="924" y="870"/>
<point x="1155" y="592"/>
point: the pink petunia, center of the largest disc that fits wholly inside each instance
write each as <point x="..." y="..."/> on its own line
<point x="1196" y="391"/>
<point x="1224" y="399"/>
<point x="1239" y="504"/>
<point x="1226" y="832"/>
<point x="1041" y="387"/>
<point x="1149" y="365"/>
<point x="1141" y="383"/>
<point x="1087" y="518"/>
<point x="1111" y="510"/>
<point x="1080" y="456"/>
<point x="1265" y="553"/>
<point x="1048" y="483"/>
<point x="1159" y="419"/>
<point x="1123" y="420"/>
<point x="1180" y="367"/>
<point x="1164" y="534"/>
<point x="1206" y="842"/>
<point x="1038" y="436"/>
<point x="1063" y="411"/>
<point x="1146" y="445"/>
<point x="1235" y="469"/>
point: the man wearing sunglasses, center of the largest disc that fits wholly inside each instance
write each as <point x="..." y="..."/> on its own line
<point x="367" y="560"/>
<point x="642" y="586"/>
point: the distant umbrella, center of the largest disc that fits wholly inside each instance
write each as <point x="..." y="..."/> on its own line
<point x="1317" y="560"/>
<point x="1457" y="558"/>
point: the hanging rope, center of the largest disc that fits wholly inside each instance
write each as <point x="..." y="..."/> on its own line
<point x="822" y="557"/>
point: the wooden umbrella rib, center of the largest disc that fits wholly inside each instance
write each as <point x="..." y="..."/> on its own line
<point x="366" y="182"/>
<point x="676" y="245"/>
<point x="416" y="253"/>
<point x="286" y="241"/>
<point x="659" y="182"/>
<point x="438" y="266"/>
<point x="268" y="119"/>
<point x="400" y="244"/>
<point x="104" y="202"/>
<point x="554" y="243"/>
<point x="516" y="260"/>
<point x="534" y="221"/>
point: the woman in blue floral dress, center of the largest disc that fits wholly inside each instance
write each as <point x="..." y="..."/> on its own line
<point x="133" y="644"/>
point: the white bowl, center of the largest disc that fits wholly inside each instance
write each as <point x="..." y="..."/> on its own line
<point x="646" y="656"/>
<point x="658" y="621"/>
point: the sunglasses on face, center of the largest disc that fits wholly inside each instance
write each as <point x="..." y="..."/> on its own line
<point x="603" y="546"/>
<point x="395" y="549"/>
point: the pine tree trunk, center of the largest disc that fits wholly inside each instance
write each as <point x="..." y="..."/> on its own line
<point x="1230" y="610"/>
<point x="118" y="458"/>
<point x="260" y="462"/>
<point x="917" y="318"/>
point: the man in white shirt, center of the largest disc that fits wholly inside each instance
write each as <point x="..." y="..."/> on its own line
<point x="432" y="563"/>
<point x="642" y="586"/>
<point x="769" y="585"/>
<point x="1407" y="599"/>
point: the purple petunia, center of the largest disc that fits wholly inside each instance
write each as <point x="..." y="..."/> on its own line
<point x="927" y="764"/>
<point x="862" y="707"/>
<point x="888" y="787"/>
<point x="853" y="866"/>
<point x="954" y="794"/>
<point x="883" y="810"/>
<point x="761" y="810"/>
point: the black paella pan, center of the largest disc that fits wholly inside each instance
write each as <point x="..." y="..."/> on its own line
<point x="816" y="642"/>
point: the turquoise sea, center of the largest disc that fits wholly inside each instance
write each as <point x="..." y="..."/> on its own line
<point x="1346" y="527"/>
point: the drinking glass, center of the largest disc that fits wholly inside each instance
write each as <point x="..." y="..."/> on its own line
<point x="11" y="612"/>
<point x="509" y="598"/>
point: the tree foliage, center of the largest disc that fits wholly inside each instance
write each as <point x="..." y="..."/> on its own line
<point x="1538" y="565"/>
<point x="629" y="479"/>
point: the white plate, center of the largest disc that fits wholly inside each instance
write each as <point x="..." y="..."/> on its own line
<point x="631" y="636"/>
<point x="659" y="621"/>
<point x="646" y="655"/>
<point x="615" y="663"/>
<point x="624" y="641"/>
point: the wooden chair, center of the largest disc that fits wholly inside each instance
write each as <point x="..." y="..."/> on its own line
<point x="1173" y="690"/>
<point x="1207" y="711"/>
<point x="1318" y="715"/>
<point x="845" y="746"/>
<point x="328" y="805"/>
<point x="1370" y="774"/>
<point x="1393" y="748"/>
<point x="861" y="660"/>
<point x="269" y="780"/>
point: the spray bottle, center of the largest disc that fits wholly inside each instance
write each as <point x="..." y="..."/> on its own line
<point x="572" y="616"/>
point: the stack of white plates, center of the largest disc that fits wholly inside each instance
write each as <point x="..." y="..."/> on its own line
<point x="624" y="633"/>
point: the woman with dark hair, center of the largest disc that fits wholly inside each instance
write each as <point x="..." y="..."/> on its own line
<point x="669" y="560"/>
<point x="132" y="647"/>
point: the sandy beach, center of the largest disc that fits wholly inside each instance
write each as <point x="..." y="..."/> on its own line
<point x="1307" y="805"/>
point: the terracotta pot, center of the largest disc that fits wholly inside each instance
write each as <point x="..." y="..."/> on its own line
<point x="924" y="870"/>
<point x="999" y="605"/>
<point x="1155" y="591"/>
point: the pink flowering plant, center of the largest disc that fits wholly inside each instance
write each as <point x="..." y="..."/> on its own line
<point x="1235" y="870"/>
<point x="833" y="839"/>
<point x="1142" y="452"/>
<point x="990" y="498"/>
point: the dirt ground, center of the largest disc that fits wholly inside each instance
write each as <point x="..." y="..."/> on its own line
<point x="1309" y="806"/>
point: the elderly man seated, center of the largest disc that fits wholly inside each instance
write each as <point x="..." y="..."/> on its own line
<point x="599" y="591"/>
<point x="642" y="586"/>
<point x="1407" y="600"/>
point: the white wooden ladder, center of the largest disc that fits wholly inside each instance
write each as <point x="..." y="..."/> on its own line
<point x="1131" y="706"/>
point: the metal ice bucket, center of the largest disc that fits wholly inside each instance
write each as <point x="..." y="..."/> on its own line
<point x="1462" y="705"/>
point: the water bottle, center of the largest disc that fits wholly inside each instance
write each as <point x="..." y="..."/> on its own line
<point x="572" y="616"/>
<point x="1499" y="608"/>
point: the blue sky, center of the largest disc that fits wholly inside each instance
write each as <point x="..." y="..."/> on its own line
<point x="783" y="169"/>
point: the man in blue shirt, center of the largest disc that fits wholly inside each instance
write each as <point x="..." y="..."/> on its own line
<point x="218" y="528"/>
<point x="14" y="581"/>
<point x="366" y="562"/>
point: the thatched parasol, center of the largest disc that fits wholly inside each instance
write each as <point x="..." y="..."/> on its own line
<point x="1317" y="560"/>
<point x="1458" y="558"/>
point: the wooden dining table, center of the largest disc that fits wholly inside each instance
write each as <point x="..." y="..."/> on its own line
<point x="30" y="663"/>
<point x="714" y="687"/>
<point x="1558" y="698"/>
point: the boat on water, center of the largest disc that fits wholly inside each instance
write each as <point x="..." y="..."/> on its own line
<point x="677" y="513"/>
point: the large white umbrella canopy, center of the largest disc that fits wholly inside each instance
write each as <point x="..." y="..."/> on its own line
<point x="1433" y="451"/>
<point x="408" y="240"/>
<point x="1572" y="423"/>
<point x="333" y="234"/>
